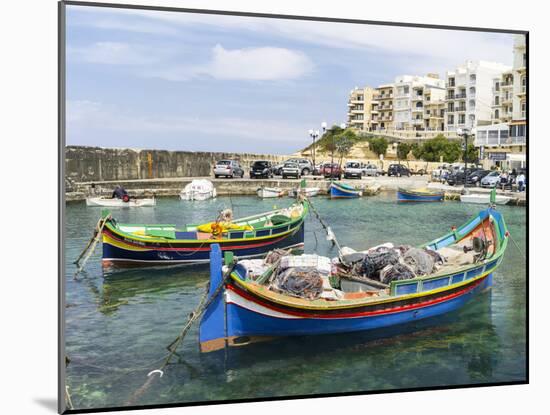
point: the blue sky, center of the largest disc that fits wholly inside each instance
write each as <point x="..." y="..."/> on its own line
<point x="179" y="81"/>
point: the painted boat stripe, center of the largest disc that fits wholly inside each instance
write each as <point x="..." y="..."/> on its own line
<point x="391" y="310"/>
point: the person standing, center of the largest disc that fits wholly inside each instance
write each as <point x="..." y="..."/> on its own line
<point x="521" y="182"/>
<point x="503" y="180"/>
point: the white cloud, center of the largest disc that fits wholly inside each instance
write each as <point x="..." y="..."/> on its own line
<point x="255" y="64"/>
<point x="449" y="46"/>
<point x="114" y="53"/>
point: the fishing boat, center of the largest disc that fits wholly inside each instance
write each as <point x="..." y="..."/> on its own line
<point x="344" y="191"/>
<point x="484" y="199"/>
<point x="243" y="309"/>
<point x="200" y="189"/>
<point x="269" y="192"/>
<point x="307" y="191"/>
<point x="419" y="195"/>
<point x="126" y="245"/>
<point x="114" y="202"/>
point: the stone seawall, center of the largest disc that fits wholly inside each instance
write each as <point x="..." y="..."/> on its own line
<point x="88" y="164"/>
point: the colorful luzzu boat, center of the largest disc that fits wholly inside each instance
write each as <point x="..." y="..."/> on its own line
<point x="419" y="195"/>
<point x="242" y="311"/>
<point x="344" y="191"/>
<point x="126" y="245"/>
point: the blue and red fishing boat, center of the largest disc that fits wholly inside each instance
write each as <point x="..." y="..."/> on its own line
<point x="419" y="195"/>
<point x="242" y="309"/>
<point x="126" y="245"/>
<point x="344" y="191"/>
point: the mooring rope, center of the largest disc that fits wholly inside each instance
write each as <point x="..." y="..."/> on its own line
<point x="330" y="235"/>
<point x="172" y="347"/>
<point x="90" y="247"/>
<point x="517" y="246"/>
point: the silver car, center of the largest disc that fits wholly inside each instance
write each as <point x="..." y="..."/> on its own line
<point x="371" y="170"/>
<point x="291" y="169"/>
<point x="491" y="180"/>
<point x="228" y="168"/>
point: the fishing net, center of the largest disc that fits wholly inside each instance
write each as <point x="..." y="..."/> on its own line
<point x="374" y="261"/>
<point x="396" y="272"/>
<point x="274" y="256"/>
<point x="299" y="282"/>
<point x="420" y="261"/>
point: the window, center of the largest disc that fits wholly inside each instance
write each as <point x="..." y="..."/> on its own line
<point x="497" y="100"/>
<point x="461" y="118"/>
<point x="450" y="119"/>
<point x="496" y="115"/>
<point x="503" y="133"/>
<point x="497" y="86"/>
<point x="523" y="109"/>
<point x="451" y="107"/>
<point x="405" y="89"/>
<point x="523" y="84"/>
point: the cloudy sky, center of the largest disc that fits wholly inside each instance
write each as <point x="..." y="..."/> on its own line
<point x="179" y="81"/>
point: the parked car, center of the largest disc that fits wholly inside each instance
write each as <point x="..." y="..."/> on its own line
<point x="353" y="169"/>
<point x="262" y="169"/>
<point x="419" y="172"/>
<point x="228" y="168"/>
<point x="371" y="170"/>
<point x="491" y="180"/>
<point x="331" y="170"/>
<point x="398" y="170"/>
<point x="291" y="169"/>
<point x="306" y="166"/>
<point x="458" y="176"/>
<point x="475" y="177"/>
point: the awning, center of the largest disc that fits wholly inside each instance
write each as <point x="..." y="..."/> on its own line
<point x="520" y="122"/>
<point x="516" y="157"/>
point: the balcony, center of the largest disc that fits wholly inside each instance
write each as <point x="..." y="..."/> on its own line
<point x="450" y="97"/>
<point x="522" y="91"/>
<point x="462" y="95"/>
<point x="461" y="109"/>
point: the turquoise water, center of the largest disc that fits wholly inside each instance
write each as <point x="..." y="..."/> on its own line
<point x="117" y="328"/>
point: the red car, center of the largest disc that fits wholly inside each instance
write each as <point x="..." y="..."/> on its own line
<point x="333" y="170"/>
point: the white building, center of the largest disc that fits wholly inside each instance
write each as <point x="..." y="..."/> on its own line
<point x="470" y="94"/>
<point x="504" y="142"/>
<point x="409" y="99"/>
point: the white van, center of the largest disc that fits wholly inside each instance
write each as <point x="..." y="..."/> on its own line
<point x="353" y="169"/>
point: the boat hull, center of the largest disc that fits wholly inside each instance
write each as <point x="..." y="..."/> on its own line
<point x="266" y="193"/>
<point x="248" y="318"/>
<point x="340" y="192"/>
<point x="411" y="196"/>
<point x="191" y="195"/>
<point x="484" y="199"/>
<point x="122" y="252"/>
<point x="111" y="203"/>
<point x="308" y="192"/>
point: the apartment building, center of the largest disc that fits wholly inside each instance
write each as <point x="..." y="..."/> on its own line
<point x="434" y="109"/>
<point x="409" y="99"/>
<point x="382" y="108"/>
<point x="360" y="105"/>
<point x="470" y="94"/>
<point x="504" y="141"/>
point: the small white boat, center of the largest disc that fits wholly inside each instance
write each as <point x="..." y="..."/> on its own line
<point x="307" y="191"/>
<point x="114" y="202"/>
<point x="200" y="189"/>
<point x="484" y="199"/>
<point x="267" y="192"/>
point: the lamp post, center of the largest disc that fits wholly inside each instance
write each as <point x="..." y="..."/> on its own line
<point x="465" y="132"/>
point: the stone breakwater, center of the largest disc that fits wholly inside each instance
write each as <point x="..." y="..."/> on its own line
<point x="224" y="187"/>
<point x="95" y="164"/>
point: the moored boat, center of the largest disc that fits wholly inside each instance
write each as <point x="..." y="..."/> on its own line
<point x="485" y="199"/>
<point x="419" y="195"/>
<point x="126" y="245"/>
<point x="306" y="191"/>
<point x="344" y="191"/>
<point x="244" y="308"/>
<point x="199" y="189"/>
<point x="269" y="192"/>
<point x="115" y="202"/>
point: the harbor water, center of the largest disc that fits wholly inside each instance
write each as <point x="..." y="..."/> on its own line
<point x="118" y="326"/>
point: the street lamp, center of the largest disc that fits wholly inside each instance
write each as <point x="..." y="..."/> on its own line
<point x="314" y="135"/>
<point x="465" y="132"/>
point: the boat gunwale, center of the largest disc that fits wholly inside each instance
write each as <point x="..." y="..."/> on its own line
<point x="416" y="192"/>
<point x="292" y="226"/>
